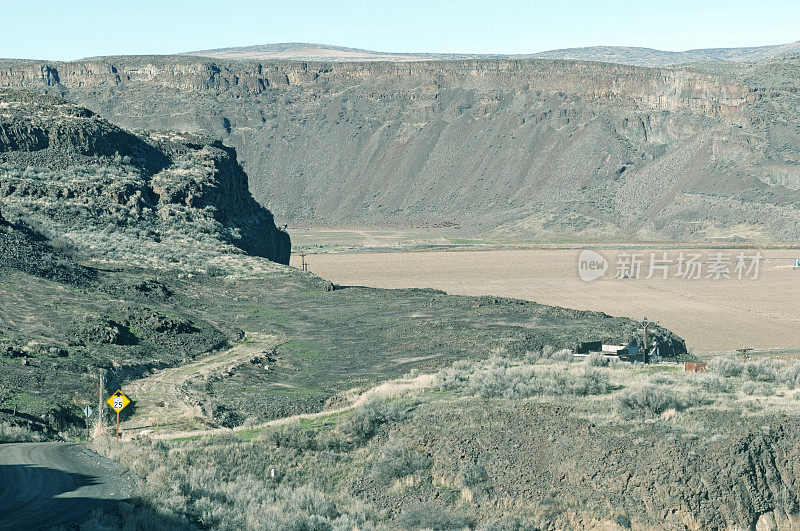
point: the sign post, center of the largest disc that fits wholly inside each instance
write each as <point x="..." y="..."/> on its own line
<point x="88" y="412"/>
<point x="118" y="402"/>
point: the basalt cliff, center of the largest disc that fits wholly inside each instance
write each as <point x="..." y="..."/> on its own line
<point x="546" y="149"/>
<point x="89" y="184"/>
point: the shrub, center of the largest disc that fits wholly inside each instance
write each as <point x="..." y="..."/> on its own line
<point x="508" y="524"/>
<point x="595" y="359"/>
<point x="367" y="420"/>
<point x="711" y="383"/>
<point x="726" y="367"/>
<point x="455" y="376"/>
<point x="332" y="439"/>
<point x="589" y="382"/>
<point x="430" y="516"/>
<point x="791" y="376"/>
<point x="499" y="379"/>
<point x="130" y="516"/>
<point x="661" y="379"/>
<point x="532" y="356"/>
<point x="750" y="388"/>
<point x="226" y="485"/>
<point x="648" y="400"/>
<point x="763" y="370"/>
<point x="564" y="354"/>
<point x="307" y="501"/>
<point x="13" y="433"/>
<point x="472" y="475"/>
<point x="753" y="388"/>
<point x="290" y="436"/>
<point x="399" y="459"/>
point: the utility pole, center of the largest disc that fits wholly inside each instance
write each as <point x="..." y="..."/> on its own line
<point x="743" y="352"/>
<point x="646" y="356"/>
<point x="303" y="264"/>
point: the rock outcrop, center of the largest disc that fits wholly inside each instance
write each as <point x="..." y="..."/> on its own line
<point x="76" y="177"/>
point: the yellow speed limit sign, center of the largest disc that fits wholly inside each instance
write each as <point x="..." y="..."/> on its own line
<point x="118" y="401"/>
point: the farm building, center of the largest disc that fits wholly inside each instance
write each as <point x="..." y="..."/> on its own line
<point x="629" y="352"/>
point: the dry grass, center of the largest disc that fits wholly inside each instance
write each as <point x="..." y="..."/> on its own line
<point x="12" y="433"/>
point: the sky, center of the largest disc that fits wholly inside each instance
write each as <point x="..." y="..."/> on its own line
<point x="72" y="29"/>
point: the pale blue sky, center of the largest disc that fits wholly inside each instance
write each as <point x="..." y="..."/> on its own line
<point x="69" y="29"/>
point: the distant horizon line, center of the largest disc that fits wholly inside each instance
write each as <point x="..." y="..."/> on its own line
<point x="466" y="55"/>
<point x="358" y="49"/>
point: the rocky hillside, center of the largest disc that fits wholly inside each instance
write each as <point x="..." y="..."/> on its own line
<point x="120" y="196"/>
<point x="546" y="149"/>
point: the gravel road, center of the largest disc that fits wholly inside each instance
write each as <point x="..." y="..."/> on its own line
<point x="50" y="484"/>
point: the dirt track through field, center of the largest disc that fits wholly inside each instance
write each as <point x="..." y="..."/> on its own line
<point x="712" y="315"/>
<point x="385" y="390"/>
<point x="163" y="401"/>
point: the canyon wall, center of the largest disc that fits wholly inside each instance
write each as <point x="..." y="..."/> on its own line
<point x="547" y="149"/>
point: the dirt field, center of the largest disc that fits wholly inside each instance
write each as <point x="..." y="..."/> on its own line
<point x="712" y="315"/>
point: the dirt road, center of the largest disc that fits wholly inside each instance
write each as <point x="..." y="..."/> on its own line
<point x="390" y="389"/>
<point x="163" y="402"/>
<point x="52" y="484"/>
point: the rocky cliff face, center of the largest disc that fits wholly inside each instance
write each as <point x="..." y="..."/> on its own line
<point x="535" y="148"/>
<point x="649" y="88"/>
<point x="114" y="194"/>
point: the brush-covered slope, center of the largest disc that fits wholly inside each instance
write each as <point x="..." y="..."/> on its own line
<point x="121" y="196"/>
<point x="536" y="148"/>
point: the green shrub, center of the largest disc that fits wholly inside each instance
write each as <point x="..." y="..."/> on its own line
<point x="366" y="420"/>
<point x="588" y="382"/>
<point x="711" y="383"/>
<point x="431" y="516"/>
<point x="472" y="475"/>
<point x="753" y="388"/>
<point x="290" y="436"/>
<point x="763" y="370"/>
<point x="13" y="433"/>
<point x="129" y="517"/>
<point x="532" y="356"/>
<point x="508" y="524"/>
<point x="521" y="381"/>
<point x="727" y="367"/>
<point x="750" y="388"/>
<point x="595" y="359"/>
<point x="455" y="376"/>
<point x="227" y="485"/>
<point x="649" y="400"/>
<point x="661" y="379"/>
<point x="564" y="354"/>
<point x="399" y="459"/>
<point x="498" y="378"/>
<point x="791" y="376"/>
